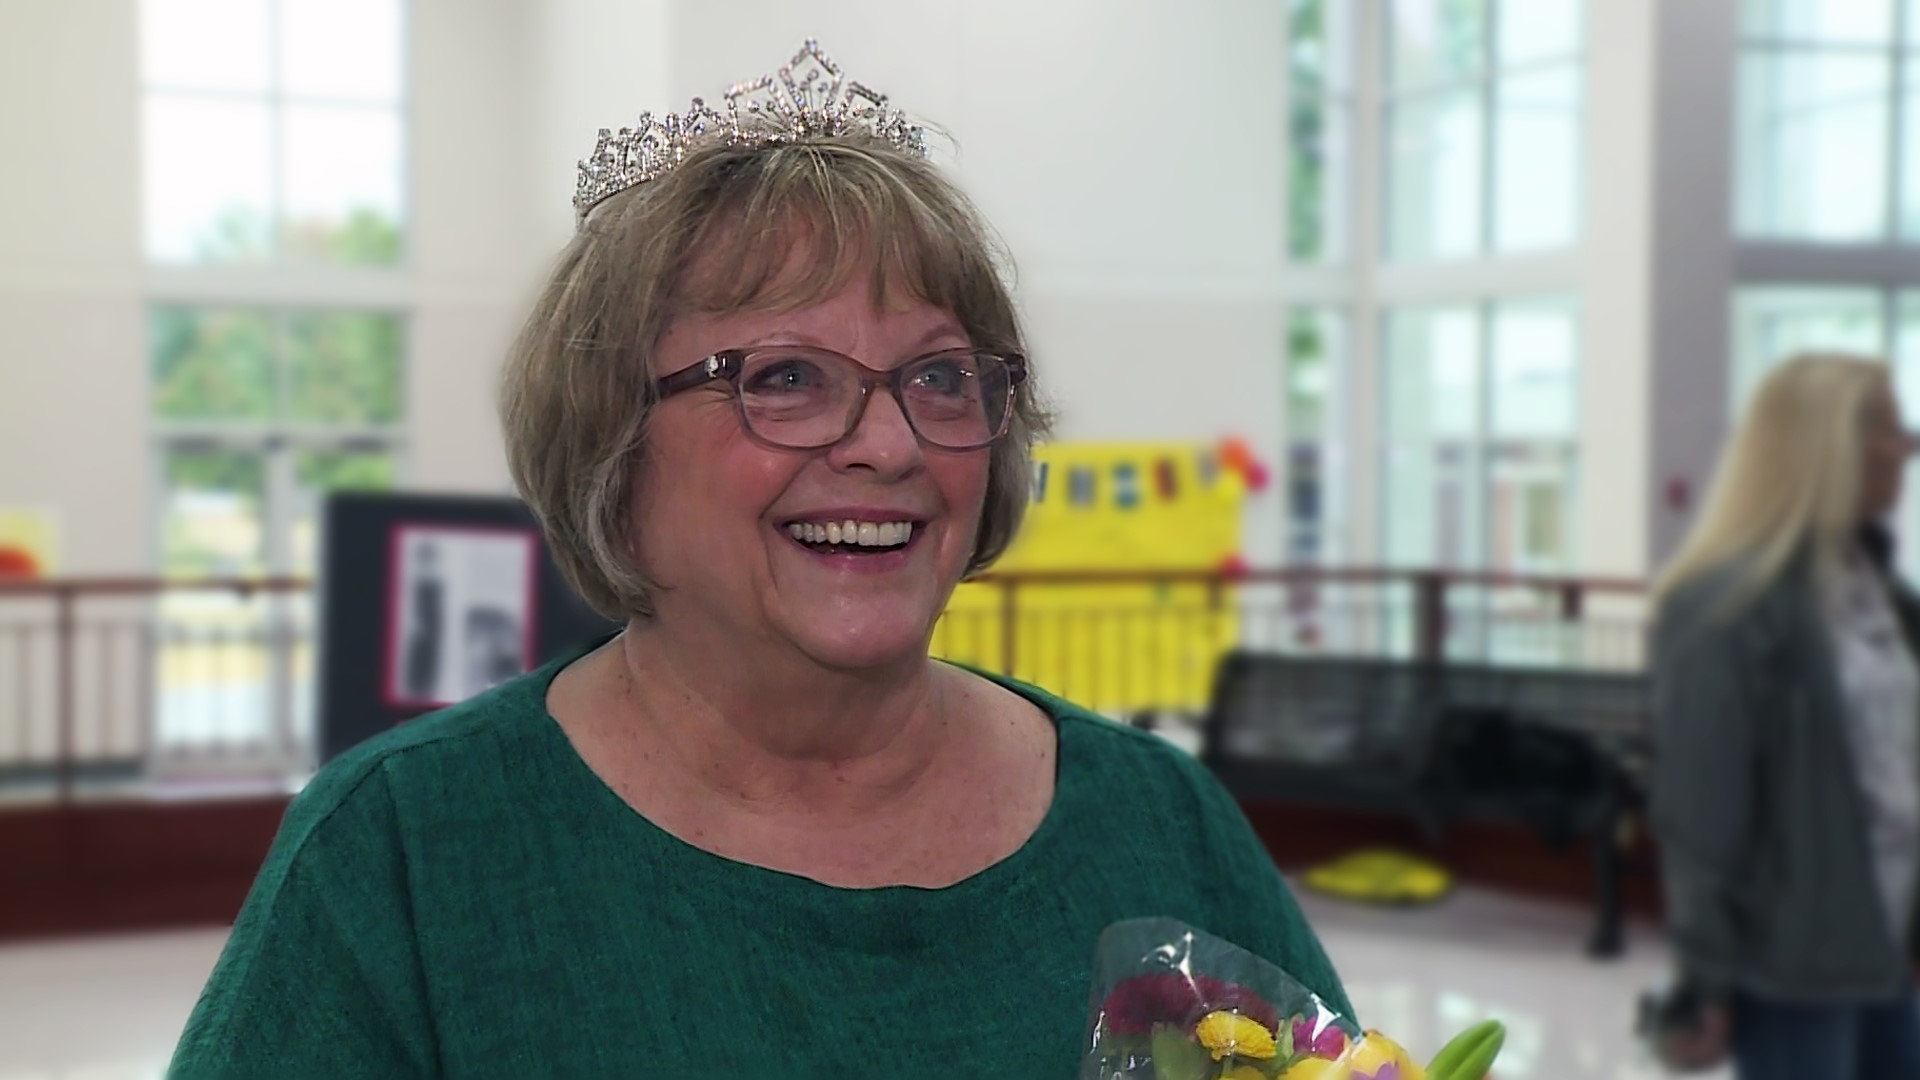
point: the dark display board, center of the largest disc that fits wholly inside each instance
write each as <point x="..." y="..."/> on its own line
<point x="427" y="600"/>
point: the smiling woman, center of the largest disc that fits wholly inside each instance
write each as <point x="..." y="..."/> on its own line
<point x="772" y="407"/>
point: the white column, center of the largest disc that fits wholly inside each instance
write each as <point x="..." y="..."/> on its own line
<point x="73" y="366"/>
<point x="1692" y="255"/>
<point x="1617" y="253"/>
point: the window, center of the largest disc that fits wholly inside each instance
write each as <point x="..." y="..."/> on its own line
<point x="1319" y="166"/>
<point x="1483" y="127"/>
<point x="258" y="413"/>
<point x="273" y="131"/>
<point x="1316" y="350"/>
<point x="273" y="137"/>
<point x="1482" y="435"/>
<point x="1827" y="121"/>
<point x="1771" y="323"/>
<point x="273" y="140"/>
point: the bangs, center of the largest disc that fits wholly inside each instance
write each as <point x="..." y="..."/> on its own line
<point x="796" y="225"/>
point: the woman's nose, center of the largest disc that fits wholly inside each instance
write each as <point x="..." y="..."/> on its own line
<point x="881" y="439"/>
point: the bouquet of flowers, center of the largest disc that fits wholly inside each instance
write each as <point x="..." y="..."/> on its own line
<point x="1173" y="1003"/>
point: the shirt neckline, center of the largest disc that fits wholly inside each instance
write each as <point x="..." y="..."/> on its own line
<point x="997" y="878"/>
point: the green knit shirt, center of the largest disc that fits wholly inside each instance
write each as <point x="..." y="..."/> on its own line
<point x="463" y="897"/>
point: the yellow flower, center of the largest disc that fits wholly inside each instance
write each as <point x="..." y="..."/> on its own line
<point x="1313" y="1068"/>
<point x="1374" y="1052"/>
<point x="1230" y="1033"/>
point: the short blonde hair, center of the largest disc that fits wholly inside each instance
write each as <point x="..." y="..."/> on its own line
<point x="1789" y="483"/>
<point x="718" y="235"/>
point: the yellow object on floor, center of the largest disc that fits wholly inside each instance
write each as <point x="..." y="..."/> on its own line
<point x="1381" y="877"/>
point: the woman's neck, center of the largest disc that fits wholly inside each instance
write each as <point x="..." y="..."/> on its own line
<point x="766" y="730"/>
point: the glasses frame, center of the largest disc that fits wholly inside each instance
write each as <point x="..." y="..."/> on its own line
<point x="729" y="364"/>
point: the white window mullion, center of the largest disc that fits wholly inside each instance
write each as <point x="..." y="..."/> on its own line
<point x="1896" y="122"/>
<point x="1483" y="439"/>
<point x="279" y="458"/>
<point x="276" y="137"/>
<point x="1363" y="407"/>
<point x="1287" y="149"/>
<point x="1489" y="125"/>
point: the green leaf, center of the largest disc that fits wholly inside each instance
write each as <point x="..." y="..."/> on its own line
<point x="1176" y="1056"/>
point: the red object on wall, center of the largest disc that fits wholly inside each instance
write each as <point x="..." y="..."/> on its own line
<point x="17" y="565"/>
<point x="1679" y="493"/>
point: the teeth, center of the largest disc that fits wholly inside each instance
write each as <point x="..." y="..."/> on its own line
<point x="861" y="533"/>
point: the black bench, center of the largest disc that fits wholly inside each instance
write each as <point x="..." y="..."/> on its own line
<point x="1560" y="751"/>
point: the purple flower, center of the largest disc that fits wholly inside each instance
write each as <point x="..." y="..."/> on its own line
<point x="1329" y="1043"/>
<point x="1389" y="1071"/>
<point x="1136" y="1005"/>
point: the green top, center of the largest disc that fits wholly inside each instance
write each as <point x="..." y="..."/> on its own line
<point x="462" y="896"/>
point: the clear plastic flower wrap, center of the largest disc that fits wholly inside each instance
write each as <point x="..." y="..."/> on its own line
<point x="1174" y="1003"/>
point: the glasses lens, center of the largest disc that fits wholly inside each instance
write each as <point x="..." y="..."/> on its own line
<point x="797" y="399"/>
<point x="957" y="401"/>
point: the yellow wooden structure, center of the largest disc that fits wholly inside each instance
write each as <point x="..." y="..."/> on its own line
<point x="1121" y="647"/>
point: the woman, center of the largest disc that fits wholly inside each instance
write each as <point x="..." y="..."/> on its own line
<point x="1786" y="791"/>
<point x="771" y="408"/>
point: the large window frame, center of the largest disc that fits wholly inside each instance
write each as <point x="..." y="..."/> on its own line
<point x="1366" y="284"/>
<point x="1788" y="266"/>
<point x="1762" y="52"/>
<point x="362" y="271"/>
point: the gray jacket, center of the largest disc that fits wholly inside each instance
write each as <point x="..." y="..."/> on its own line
<point x="1762" y="827"/>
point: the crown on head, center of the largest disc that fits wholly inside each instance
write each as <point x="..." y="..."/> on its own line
<point x="806" y="98"/>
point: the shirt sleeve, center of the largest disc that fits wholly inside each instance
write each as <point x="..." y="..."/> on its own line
<point x="320" y="977"/>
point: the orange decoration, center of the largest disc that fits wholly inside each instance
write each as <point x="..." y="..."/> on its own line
<point x="17" y="565"/>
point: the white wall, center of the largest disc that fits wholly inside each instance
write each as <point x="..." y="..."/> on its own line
<point x="595" y="64"/>
<point x="471" y="232"/>
<point x="72" y="366"/>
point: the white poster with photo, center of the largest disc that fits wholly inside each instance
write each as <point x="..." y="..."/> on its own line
<point x="463" y="614"/>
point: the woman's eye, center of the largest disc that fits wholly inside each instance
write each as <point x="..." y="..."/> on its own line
<point x="944" y="378"/>
<point x="783" y="375"/>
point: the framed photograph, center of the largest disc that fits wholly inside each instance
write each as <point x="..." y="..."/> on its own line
<point x="463" y="612"/>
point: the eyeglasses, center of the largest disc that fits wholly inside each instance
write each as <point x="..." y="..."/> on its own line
<point x="800" y="398"/>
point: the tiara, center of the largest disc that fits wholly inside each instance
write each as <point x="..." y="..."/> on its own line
<point x="807" y="98"/>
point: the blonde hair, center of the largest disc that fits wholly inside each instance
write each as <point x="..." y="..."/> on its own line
<point x="718" y="234"/>
<point x="1789" y="483"/>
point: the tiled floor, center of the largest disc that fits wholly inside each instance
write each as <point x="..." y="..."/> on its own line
<point x="110" y="1008"/>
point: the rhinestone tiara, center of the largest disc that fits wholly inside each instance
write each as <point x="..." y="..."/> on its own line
<point x="807" y="98"/>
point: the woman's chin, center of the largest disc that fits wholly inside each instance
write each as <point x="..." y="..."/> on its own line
<point x="864" y="644"/>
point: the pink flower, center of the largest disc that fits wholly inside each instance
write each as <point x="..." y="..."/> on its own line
<point x="1330" y="1043"/>
<point x="1168" y="998"/>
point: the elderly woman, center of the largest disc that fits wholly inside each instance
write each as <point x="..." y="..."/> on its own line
<point x="772" y="407"/>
